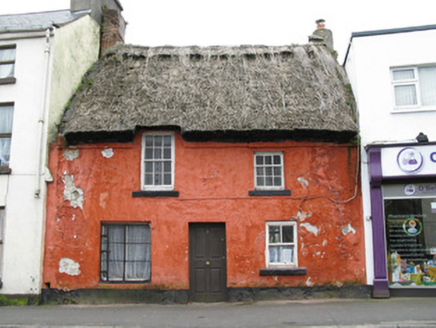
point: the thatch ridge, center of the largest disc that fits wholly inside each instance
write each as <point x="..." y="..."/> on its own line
<point x="207" y="89"/>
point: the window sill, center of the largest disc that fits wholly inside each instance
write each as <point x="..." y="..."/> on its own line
<point x="155" y="193"/>
<point x="8" y="80"/>
<point x="283" y="272"/>
<point x="285" y="192"/>
<point x="4" y="169"/>
<point x="413" y="110"/>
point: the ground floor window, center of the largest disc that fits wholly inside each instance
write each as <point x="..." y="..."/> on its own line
<point x="281" y="244"/>
<point x="125" y="252"/>
<point x="410" y="219"/>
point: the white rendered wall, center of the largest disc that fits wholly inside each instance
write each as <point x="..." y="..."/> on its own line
<point x="23" y="223"/>
<point x="74" y="48"/>
<point x="368" y="67"/>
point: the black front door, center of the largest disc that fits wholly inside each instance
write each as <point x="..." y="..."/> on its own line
<point x="207" y="262"/>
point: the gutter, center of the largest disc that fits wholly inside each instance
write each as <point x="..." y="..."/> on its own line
<point x="23" y="35"/>
<point x="44" y="109"/>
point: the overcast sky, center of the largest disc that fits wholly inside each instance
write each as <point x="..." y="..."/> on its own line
<point x="235" y="22"/>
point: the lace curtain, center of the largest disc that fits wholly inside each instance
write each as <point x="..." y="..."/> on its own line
<point x="6" y="118"/>
<point x="129" y="252"/>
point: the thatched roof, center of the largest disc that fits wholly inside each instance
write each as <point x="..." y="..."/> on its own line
<point x="255" y="92"/>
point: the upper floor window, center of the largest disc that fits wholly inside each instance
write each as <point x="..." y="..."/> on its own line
<point x="6" y="117"/>
<point x="414" y="86"/>
<point x="7" y="62"/>
<point x="281" y="244"/>
<point x="268" y="170"/>
<point x="158" y="161"/>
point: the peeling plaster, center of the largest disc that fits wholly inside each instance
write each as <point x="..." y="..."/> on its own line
<point x="346" y="230"/>
<point x="72" y="193"/>
<point x="71" y="155"/>
<point x="108" y="152"/>
<point x="324" y="242"/>
<point x="301" y="215"/>
<point x="311" y="228"/>
<point x="69" y="267"/>
<point x="48" y="177"/>
<point x="309" y="283"/>
<point x="303" y="182"/>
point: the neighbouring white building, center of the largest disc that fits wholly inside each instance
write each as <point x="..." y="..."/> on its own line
<point x="43" y="57"/>
<point x="393" y="77"/>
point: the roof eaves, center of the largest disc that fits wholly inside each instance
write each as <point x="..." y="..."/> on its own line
<point x="393" y="31"/>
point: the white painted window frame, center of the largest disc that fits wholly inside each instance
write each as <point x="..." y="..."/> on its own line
<point x="406" y="82"/>
<point x="9" y="62"/>
<point x="269" y="153"/>
<point x="143" y="160"/>
<point x="416" y="82"/>
<point x="278" y="265"/>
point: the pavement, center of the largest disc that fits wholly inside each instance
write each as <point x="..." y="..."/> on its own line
<point x="367" y="313"/>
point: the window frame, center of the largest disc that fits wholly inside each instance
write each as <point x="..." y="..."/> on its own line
<point x="9" y="79"/>
<point x="8" y="135"/>
<point x="279" y="265"/>
<point x="282" y="172"/>
<point x="106" y="252"/>
<point x="143" y="161"/>
<point x="416" y="82"/>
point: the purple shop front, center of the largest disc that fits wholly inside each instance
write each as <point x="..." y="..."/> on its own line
<point x="403" y="211"/>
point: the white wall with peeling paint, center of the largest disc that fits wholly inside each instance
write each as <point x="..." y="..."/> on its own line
<point x="368" y="66"/>
<point x="73" y="49"/>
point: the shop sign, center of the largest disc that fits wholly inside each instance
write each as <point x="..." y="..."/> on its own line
<point x="411" y="160"/>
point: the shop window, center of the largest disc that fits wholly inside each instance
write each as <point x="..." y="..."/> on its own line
<point x="7" y="64"/>
<point x="414" y="87"/>
<point x="411" y="234"/>
<point x="281" y="245"/>
<point x="6" y="118"/>
<point x="158" y="161"/>
<point x="125" y="253"/>
<point x="268" y="171"/>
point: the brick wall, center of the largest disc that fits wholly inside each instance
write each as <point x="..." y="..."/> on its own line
<point x="110" y="31"/>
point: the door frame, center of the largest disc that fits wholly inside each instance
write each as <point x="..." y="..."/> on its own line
<point x="207" y="298"/>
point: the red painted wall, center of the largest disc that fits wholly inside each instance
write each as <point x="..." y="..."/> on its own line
<point x="213" y="180"/>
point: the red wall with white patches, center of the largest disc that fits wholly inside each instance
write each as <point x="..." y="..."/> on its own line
<point x="213" y="180"/>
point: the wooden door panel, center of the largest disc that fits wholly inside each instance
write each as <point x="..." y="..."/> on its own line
<point x="207" y="262"/>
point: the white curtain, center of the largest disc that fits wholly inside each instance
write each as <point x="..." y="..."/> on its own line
<point x="6" y="118"/>
<point x="138" y="253"/>
<point x="427" y="79"/>
<point x="405" y="95"/>
<point x="116" y="252"/>
<point x="403" y="74"/>
<point x="5" y="150"/>
<point x="7" y="70"/>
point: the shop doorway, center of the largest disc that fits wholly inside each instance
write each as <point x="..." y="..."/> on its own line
<point x="207" y="262"/>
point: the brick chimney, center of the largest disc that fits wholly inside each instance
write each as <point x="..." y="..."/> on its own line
<point x="322" y="35"/>
<point x="107" y="13"/>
